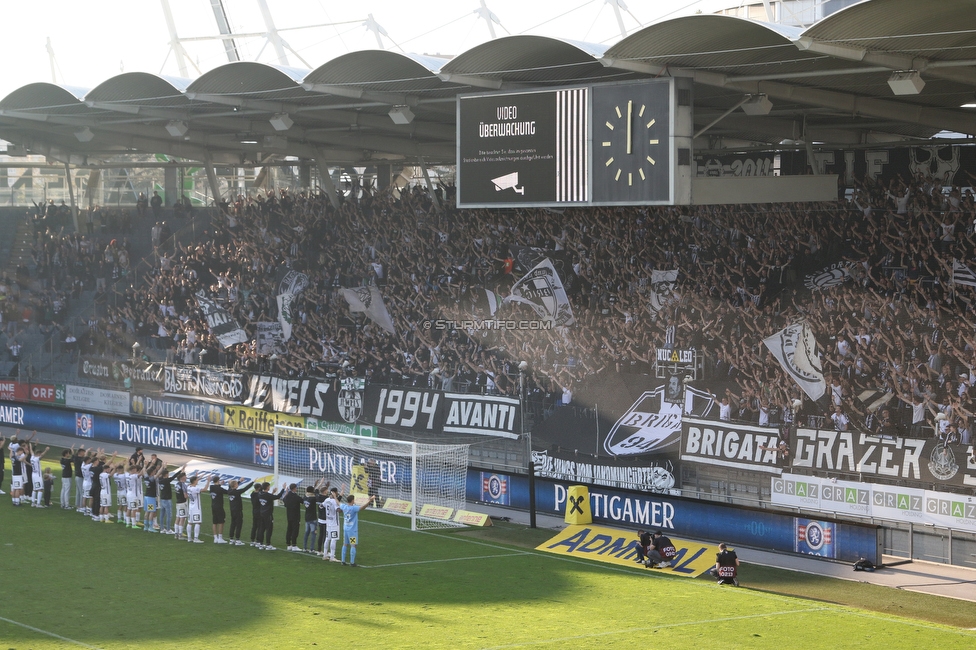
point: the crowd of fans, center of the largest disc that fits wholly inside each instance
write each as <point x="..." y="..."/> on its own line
<point x="896" y="337"/>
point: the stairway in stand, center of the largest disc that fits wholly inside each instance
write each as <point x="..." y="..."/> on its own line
<point x="17" y="248"/>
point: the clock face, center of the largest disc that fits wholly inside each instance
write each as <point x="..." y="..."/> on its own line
<point x="631" y="145"/>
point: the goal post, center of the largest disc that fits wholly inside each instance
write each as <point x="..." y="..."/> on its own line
<point x="420" y="480"/>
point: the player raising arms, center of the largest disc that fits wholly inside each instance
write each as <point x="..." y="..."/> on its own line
<point x="37" y="495"/>
<point x="350" y="526"/>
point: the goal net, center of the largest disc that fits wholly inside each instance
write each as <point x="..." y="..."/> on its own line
<point x="425" y="482"/>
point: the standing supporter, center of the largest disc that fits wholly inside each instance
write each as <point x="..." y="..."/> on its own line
<point x="166" y="480"/>
<point x="48" y="486"/>
<point x="77" y="460"/>
<point x="310" y="503"/>
<point x="293" y="513"/>
<point x="217" y="513"/>
<point x="350" y="527"/>
<point x="66" y="476"/>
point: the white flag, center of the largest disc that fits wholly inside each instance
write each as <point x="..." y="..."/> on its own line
<point x="796" y="350"/>
<point x="369" y="301"/>
<point x="285" y="315"/>
<point x="962" y="274"/>
<point x="542" y="290"/>
<point x="494" y="302"/>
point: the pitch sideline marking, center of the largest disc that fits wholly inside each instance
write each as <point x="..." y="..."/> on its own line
<point x="451" y="559"/>
<point x="56" y="636"/>
<point x="843" y="609"/>
<point x="656" y="627"/>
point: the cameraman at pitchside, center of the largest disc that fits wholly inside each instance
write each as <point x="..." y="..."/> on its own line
<point x="662" y="551"/>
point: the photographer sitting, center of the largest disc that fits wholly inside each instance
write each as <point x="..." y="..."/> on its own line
<point x="661" y="553"/>
<point x="642" y="545"/>
<point x="726" y="568"/>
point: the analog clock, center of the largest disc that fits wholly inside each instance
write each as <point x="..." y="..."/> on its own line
<point x="631" y="161"/>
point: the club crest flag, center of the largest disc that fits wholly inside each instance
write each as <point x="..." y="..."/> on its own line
<point x="542" y="290"/>
<point x="796" y="350"/>
<point x="369" y="301"/>
<point x="662" y="289"/>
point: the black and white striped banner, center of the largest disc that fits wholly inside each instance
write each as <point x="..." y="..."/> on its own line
<point x="571" y="149"/>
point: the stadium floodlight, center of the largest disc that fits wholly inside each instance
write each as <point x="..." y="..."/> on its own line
<point x="757" y="105"/>
<point x="281" y="121"/>
<point x="401" y="115"/>
<point x="84" y="135"/>
<point x="176" y="128"/>
<point x="412" y="475"/>
<point x="906" y="82"/>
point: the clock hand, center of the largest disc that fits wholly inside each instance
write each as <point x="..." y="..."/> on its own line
<point x="630" y="122"/>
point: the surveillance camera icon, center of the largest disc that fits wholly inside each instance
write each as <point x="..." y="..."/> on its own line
<point x="508" y="181"/>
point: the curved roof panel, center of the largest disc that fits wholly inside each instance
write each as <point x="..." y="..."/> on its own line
<point x="715" y="42"/>
<point x="45" y="97"/>
<point x="246" y="78"/>
<point x="141" y="88"/>
<point x="529" y="60"/>
<point x="380" y="70"/>
<point x="935" y="30"/>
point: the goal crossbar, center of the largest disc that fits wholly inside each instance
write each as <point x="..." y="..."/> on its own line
<point x="417" y="479"/>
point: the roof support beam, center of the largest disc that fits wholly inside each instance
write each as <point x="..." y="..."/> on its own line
<point x="330" y="188"/>
<point x="855" y="105"/>
<point x="958" y="71"/>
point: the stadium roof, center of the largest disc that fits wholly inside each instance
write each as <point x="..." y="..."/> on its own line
<point x="828" y="84"/>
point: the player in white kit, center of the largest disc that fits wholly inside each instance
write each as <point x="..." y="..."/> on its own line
<point x="331" y="507"/>
<point x="105" y="496"/>
<point x="37" y="500"/>
<point x="118" y="475"/>
<point x="194" y="509"/>
<point x="132" y="503"/>
<point x="86" y="482"/>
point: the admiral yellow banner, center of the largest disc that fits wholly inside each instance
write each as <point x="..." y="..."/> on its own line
<point x="616" y="546"/>
<point x="398" y="505"/>
<point x="472" y="518"/>
<point x="431" y="511"/>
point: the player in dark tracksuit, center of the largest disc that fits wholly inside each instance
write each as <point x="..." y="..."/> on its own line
<point x="234" y="492"/>
<point x="293" y="512"/>
<point x="257" y="534"/>
<point x="267" y="500"/>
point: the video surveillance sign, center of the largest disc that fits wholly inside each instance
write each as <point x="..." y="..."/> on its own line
<point x="527" y="148"/>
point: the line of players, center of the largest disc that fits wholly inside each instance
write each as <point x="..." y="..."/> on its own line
<point x="149" y="487"/>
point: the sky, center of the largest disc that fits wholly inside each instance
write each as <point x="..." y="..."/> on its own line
<point x="98" y="39"/>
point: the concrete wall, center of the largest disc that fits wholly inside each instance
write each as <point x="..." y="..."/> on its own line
<point x="763" y="189"/>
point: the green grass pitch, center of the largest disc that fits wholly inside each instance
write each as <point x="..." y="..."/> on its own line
<point x="69" y="582"/>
